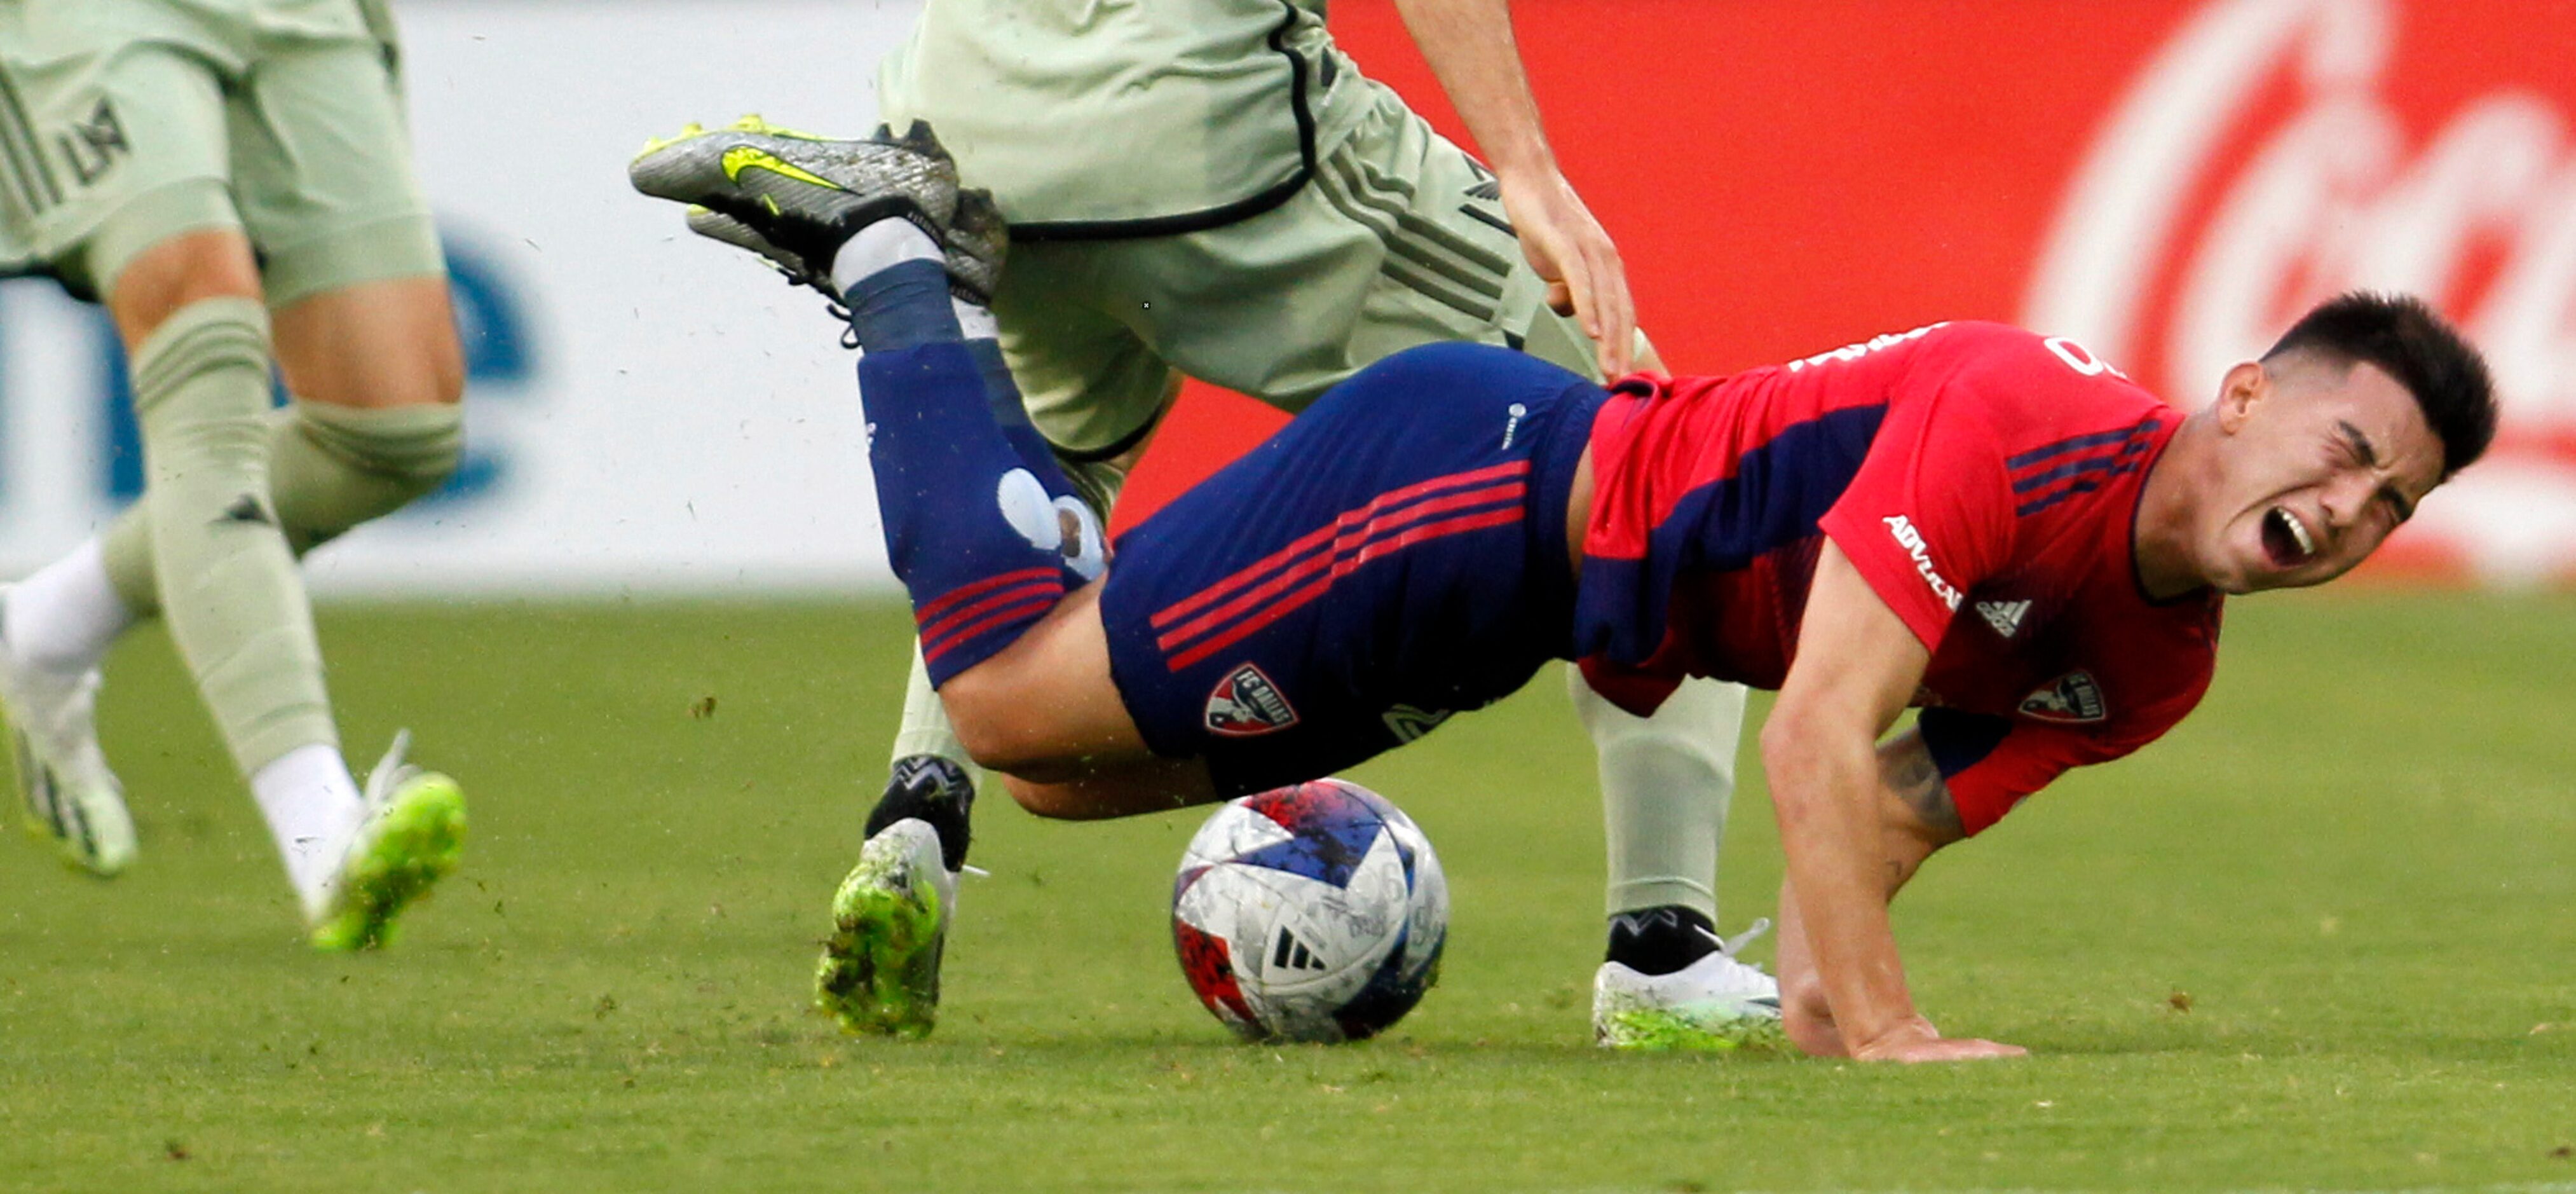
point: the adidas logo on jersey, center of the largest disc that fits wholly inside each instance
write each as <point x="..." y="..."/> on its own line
<point x="2004" y="616"/>
<point x="1246" y="704"/>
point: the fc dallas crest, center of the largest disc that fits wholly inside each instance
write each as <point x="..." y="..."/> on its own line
<point x="1246" y="705"/>
<point x="2073" y="699"/>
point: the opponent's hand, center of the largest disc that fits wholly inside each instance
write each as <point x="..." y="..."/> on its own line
<point x="1916" y="1040"/>
<point x="1573" y="254"/>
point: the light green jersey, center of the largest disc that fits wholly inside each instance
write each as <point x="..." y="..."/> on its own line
<point x="87" y="24"/>
<point x="1125" y="117"/>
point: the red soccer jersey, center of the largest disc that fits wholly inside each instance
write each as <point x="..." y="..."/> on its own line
<point x="1983" y="480"/>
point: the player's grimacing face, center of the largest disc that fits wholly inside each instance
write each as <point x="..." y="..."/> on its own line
<point x="2324" y="462"/>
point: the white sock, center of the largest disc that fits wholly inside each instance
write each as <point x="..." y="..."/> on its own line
<point x="66" y="616"/>
<point x="313" y="810"/>
<point x="976" y="322"/>
<point x="882" y="244"/>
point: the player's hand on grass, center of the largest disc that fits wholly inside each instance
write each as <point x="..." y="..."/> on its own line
<point x="1806" y="1018"/>
<point x="1573" y="253"/>
<point x="1914" y="1040"/>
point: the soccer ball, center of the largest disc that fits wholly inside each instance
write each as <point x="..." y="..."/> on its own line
<point x="1310" y="913"/>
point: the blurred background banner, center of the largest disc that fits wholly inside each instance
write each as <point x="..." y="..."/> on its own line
<point x="647" y="413"/>
<point x="2168" y="182"/>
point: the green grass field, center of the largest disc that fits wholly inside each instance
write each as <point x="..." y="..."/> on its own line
<point x="2321" y="936"/>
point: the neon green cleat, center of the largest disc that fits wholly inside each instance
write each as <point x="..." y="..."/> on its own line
<point x="879" y="973"/>
<point x="412" y="838"/>
<point x="1716" y="1004"/>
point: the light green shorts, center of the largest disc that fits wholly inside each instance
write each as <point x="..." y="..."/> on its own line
<point x="1398" y="240"/>
<point x="126" y="122"/>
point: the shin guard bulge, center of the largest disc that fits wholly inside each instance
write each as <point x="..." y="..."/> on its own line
<point x="330" y="469"/>
<point x="925" y="729"/>
<point x="980" y="525"/>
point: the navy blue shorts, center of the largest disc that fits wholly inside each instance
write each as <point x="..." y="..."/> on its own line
<point x="1394" y="555"/>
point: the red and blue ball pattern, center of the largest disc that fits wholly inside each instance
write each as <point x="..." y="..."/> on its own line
<point x="1315" y="912"/>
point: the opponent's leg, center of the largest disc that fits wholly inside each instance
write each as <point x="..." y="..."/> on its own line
<point x="332" y="466"/>
<point x="383" y="428"/>
<point x="307" y="153"/>
<point x="199" y="340"/>
<point x="236" y="607"/>
<point x="1669" y="981"/>
<point x="376" y="423"/>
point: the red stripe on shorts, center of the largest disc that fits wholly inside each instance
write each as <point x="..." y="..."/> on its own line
<point x="1328" y="533"/>
<point x="1306" y="595"/>
<point x="1348" y="541"/>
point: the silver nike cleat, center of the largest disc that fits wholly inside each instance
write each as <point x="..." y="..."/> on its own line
<point x="800" y="194"/>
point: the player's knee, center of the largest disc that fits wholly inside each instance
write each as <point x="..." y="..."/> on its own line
<point x="1052" y="801"/>
<point x="174" y="273"/>
<point x="1017" y="755"/>
<point x="379" y="345"/>
<point x="413" y="449"/>
<point x="996" y="727"/>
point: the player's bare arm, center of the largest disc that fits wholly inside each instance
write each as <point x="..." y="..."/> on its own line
<point x="1857" y="667"/>
<point x="1470" y="47"/>
<point x="1916" y="817"/>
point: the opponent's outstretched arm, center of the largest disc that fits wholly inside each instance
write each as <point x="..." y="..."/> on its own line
<point x="1471" y="50"/>
<point x="1857" y="668"/>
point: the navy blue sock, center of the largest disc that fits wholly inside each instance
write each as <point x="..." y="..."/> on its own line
<point x="904" y="305"/>
<point x="1012" y="414"/>
<point x="978" y="548"/>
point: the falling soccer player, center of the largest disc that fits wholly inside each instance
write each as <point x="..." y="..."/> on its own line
<point x="1214" y="188"/>
<point x="1992" y="525"/>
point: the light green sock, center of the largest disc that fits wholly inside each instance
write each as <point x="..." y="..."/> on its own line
<point x="228" y="583"/>
<point x="1666" y="782"/>
<point x="330" y="468"/>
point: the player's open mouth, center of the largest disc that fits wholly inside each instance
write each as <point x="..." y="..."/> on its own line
<point x="2286" y="539"/>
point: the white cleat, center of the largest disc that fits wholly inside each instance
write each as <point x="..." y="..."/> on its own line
<point x="1715" y="1003"/>
<point x="72" y="798"/>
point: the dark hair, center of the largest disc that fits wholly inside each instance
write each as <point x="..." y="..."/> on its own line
<point x="2403" y="336"/>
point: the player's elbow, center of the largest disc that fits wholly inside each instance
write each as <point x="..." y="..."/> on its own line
<point x="1788" y="745"/>
<point x="1803" y="754"/>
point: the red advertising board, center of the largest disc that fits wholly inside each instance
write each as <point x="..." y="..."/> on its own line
<point x="2170" y="183"/>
